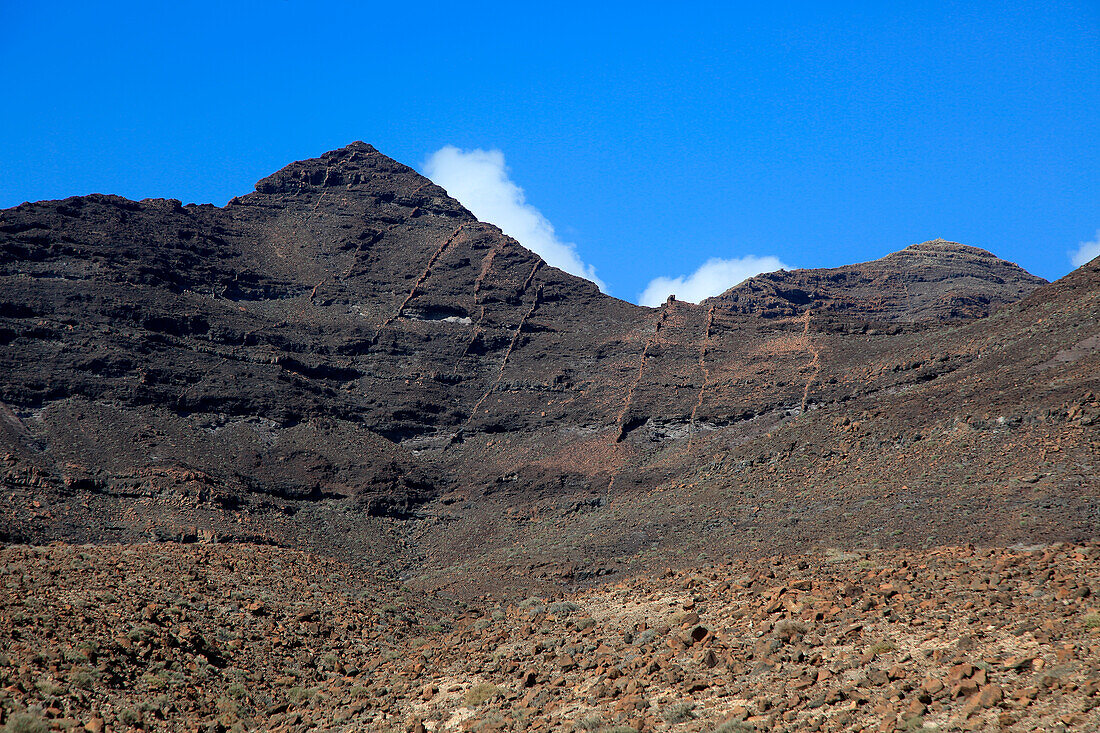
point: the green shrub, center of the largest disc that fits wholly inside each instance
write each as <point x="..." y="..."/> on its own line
<point x="140" y="634"/>
<point x="881" y="647"/>
<point x="237" y="691"/>
<point x="735" y="726"/>
<point x="679" y="712"/>
<point x="299" y="695"/>
<point x="532" y="605"/>
<point x="1092" y="621"/>
<point x="48" y="688"/>
<point x="84" y="677"/>
<point x="129" y="716"/>
<point x="789" y="629"/>
<point x="563" y="608"/>
<point x="481" y="692"/>
<point x="26" y="723"/>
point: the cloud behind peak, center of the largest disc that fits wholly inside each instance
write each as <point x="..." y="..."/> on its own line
<point x="1086" y="251"/>
<point x="713" y="277"/>
<point x="479" y="180"/>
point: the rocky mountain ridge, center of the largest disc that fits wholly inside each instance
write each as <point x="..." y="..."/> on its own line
<point x="347" y="361"/>
<point x="932" y="281"/>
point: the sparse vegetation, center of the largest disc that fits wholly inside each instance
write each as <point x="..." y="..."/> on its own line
<point x="48" y="688"/>
<point x="788" y="629"/>
<point x="593" y="723"/>
<point x="680" y="712"/>
<point x="735" y="726"/>
<point x="480" y="693"/>
<point x="563" y="608"/>
<point x="140" y="634"/>
<point x="299" y="695"/>
<point x="26" y="723"/>
<point x="83" y="678"/>
<point x="129" y="716"/>
<point x="154" y="681"/>
<point x="532" y="605"/>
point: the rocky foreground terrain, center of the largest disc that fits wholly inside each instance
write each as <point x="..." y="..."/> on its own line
<point x="185" y="637"/>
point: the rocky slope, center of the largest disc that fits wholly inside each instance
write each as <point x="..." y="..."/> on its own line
<point x="347" y="361"/>
<point x="174" y="637"/>
<point x="933" y="281"/>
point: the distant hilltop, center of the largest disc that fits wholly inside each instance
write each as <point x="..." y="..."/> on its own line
<point x="931" y="281"/>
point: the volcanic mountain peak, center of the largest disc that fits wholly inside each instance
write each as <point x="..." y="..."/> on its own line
<point x="940" y="245"/>
<point x="944" y="253"/>
<point x="933" y="280"/>
<point x="361" y="169"/>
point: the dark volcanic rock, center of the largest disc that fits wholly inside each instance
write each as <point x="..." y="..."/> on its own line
<point x="937" y="280"/>
<point x="348" y="361"/>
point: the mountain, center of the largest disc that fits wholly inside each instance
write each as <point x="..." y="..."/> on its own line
<point x="937" y="280"/>
<point x="347" y="361"/>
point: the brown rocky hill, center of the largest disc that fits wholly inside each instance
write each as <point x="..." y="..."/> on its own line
<point x="937" y="280"/>
<point x="347" y="361"/>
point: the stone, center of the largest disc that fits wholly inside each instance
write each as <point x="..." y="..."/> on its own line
<point x="990" y="695"/>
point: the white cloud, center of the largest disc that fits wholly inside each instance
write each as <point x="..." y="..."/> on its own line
<point x="1086" y="252"/>
<point x="714" y="277"/>
<point x="479" y="180"/>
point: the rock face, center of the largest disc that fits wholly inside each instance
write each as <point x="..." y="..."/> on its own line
<point x="933" y="281"/>
<point x="347" y="361"/>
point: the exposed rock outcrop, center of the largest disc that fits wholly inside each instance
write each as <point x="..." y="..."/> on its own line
<point x="932" y="281"/>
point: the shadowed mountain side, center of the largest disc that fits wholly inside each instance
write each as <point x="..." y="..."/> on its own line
<point x="347" y="361"/>
<point x="279" y="348"/>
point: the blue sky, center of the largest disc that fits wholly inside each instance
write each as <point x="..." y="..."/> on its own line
<point x="653" y="137"/>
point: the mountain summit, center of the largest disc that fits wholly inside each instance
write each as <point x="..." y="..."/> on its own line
<point x="936" y="280"/>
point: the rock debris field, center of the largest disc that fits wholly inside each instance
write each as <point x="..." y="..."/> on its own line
<point x="240" y="637"/>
